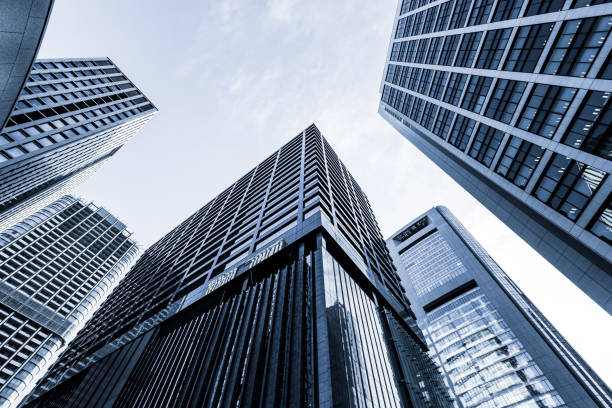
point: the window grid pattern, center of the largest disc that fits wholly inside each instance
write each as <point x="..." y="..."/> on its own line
<point x="519" y="160"/>
<point x="545" y="109"/>
<point x="591" y="129"/>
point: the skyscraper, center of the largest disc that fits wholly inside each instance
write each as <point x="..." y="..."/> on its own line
<point x="512" y="99"/>
<point x="22" y="24"/>
<point x="72" y="115"/>
<point x="56" y="268"/>
<point x="278" y="292"/>
<point x="494" y="346"/>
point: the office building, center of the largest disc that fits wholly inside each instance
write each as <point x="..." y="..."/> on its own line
<point x="494" y="346"/>
<point x="56" y="267"/>
<point x="22" y="25"/>
<point x="278" y="292"/>
<point x="71" y="116"/>
<point x="512" y="99"/>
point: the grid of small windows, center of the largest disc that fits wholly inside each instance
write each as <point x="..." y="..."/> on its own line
<point x="455" y="88"/>
<point x="568" y="185"/>
<point x="461" y="133"/>
<point x="527" y="47"/>
<point x="493" y="48"/>
<point x="460" y="13"/>
<point x="577" y="46"/>
<point x="591" y="129"/>
<point x="507" y="10"/>
<point x="519" y="160"/>
<point x="449" y="49"/>
<point x="468" y="48"/>
<point x="505" y="99"/>
<point x="545" y="109"/>
<point x="476" y="93"/>
<point x="480" y="12"/>
<point x="442" y="124"/>
<point x="543" y="6"/>
<point x="485" y="145"/>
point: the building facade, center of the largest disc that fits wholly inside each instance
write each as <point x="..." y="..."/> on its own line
<point x="22" y="25"/>
<point x="56" y="267"/>
<point x="494" y="346"/>
<point x="512" y="99"/>
<point x="72" y="115"/>
<point x="278" y="292"/>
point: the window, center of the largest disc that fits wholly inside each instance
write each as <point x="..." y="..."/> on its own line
<point x="585" y="3"/>
<point x="428" y="115"/>
<point x="591" y="129"/>
<point x="419" y="58"/>
<point x="425" y="81"/>
<point x="527" y="47"/>
<point x="418" y="23"/>
<point x="462" y="130"/>
<point x="442" y="125"/>
<point x="438" y="83"/>
<point x="507" y="9"/>
<point x="468" y="49"/>
<point x="443" y="16"/>
<point x="480" y="12"/>
<point x="545" y="109"/>
<point x="401" y="25"/>
<point x="519" y="160"/>
<point x="449" y="49"/>
<point x="568" y="185"/>
<point x="434" y="50"/>
<point x="455" y="88"/>
<point x="429" y="20"/>
<point x="493" y="48"/>
<point x="543" y="6"/>
<point x="606" y="70"/>
<point x="459" y="14"/>
<point x="505" y="99"/>
<point x="602" y="224"/>
<point x="485" y="145"/>
<point x="577" y="46"/>
<point x="476" y="92"/>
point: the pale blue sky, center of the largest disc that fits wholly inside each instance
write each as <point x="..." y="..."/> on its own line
<point x="234" y="80"/>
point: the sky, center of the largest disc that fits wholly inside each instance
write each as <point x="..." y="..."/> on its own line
<point x="235" y="80"/>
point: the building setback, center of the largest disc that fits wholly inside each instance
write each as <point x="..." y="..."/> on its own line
<point x="72" y="115"/>
<point x="494" y="346"/>
<point x="56" y="268"/>
<point x="512" y="100"/>
<point x="278" y="292"/>
<point x="22" y="25"/>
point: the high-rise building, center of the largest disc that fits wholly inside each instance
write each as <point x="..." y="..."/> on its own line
<point x="512" y="99"/>
<point x="22" y="25"/>
<point x="56" y="267"/>
<point x="72" y="115"/>
<point x="494" y="346"/>
<point x="278" y="292"/>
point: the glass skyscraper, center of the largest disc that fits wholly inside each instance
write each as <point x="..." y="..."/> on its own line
<point x="72" y="115"/>
<point x="512" y="99"/>
<point x="22" y="25"/>
<point x="56" y="267"/>
<point x="493" y="345"/>
<point x="278" y="292"/>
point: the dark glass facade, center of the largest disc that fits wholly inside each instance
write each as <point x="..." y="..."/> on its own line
<point x="56" y="267"/>
<point x="72" y="115"/>
<point x="495" y="348"/>
<point x="515" y="91"/>
<point x="278" y="292"/>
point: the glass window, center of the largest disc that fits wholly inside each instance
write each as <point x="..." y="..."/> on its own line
<point x="519" y="160"/>
<point x="442" y="125"/>
<point x="505" y="99"/>
<point x="419" y="57"/>
<point x="428" y="115"/>
<point x="480" y="12"/>
<point x="507" y="9"/>
<point x="493" y="48"/>
<point x="425" y="81"/>
<point x="455" y="88"/>
<point x="485" y="145"/>
<point x="401" y="26"/>
<point x="438" y="84"/>
<point x="602" y="224"/>
<point x="527" y="47"/>
<point x="429" y="20"/>
<point x="443" y="16"/>
<point x="543" y="6"/>
<point x="461" y="133"/>
<point x="434" y="50"/>
<point x="449" y="49"/>
<point x="606" y="70"/>
<point x="14" y="152"/>
<point x="468" y="49"/>
<point x="476" y="92"/>
<point x="418" y="23"/>
<point x="460" y="14"/>
<point x="577" y="46"/>
<point x="545" y="109"/>
<point x="567" y="185"/>
<point x="591" y="129"/>
<point x="585" y="3"/>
